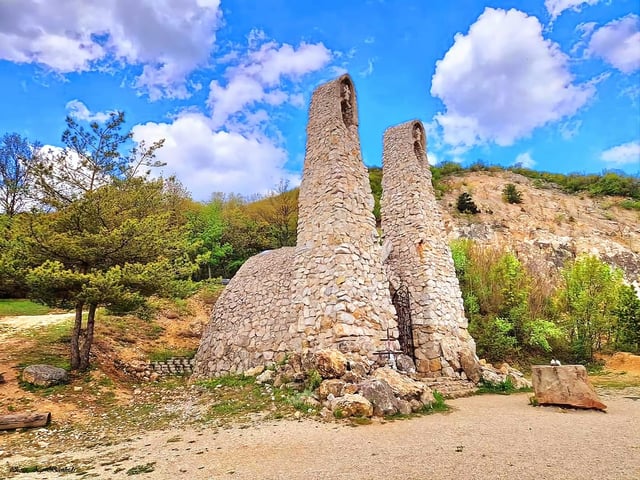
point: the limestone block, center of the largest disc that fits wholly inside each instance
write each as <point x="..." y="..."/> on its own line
<point x="402" y="386"/>
<point x="564" y="385"/>
<point x="332" y="386"/>
<point x="381" y="396"/>
<point x="44" y="375"/>
<point x="352" y="405"/>
<point x="330" y="363"/>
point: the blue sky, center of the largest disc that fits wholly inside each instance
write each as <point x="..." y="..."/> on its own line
<point x="551" y="84"/>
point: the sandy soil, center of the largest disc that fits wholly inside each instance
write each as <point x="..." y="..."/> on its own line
<point x="9" y="325"/>
<point x="484" y="437"/>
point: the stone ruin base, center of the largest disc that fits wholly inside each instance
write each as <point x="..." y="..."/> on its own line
<point x="350" y="385"/>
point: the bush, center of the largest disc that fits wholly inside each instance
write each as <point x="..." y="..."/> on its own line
<point x="465" y="204"/>
<point x="511" y="194"/>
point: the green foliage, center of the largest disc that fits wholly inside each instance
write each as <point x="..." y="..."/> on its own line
<point x="503" y="388"/>
<point x="630" y="204"/>
<point x="314" y="379"/>
<point x="465" y="204"/>
<point x="586" y="303"/>
<point x="375" y="180"/>
<point x="13" y="307"/>
<point x="17" y="159"/>
<point x="511" y="194"/>
<point x="627" y="312"/>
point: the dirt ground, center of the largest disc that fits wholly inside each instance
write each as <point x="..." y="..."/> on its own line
<point x="483" y="437"/>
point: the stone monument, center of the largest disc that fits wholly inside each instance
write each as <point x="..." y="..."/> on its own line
<point x="337" y="288"/>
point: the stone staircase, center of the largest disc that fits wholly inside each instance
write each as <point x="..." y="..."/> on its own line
<point x="450" y="387"/>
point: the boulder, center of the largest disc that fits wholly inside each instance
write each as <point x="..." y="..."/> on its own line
<point x="265" y="377"/>
<point x="402" y="386"/>
<point x="254" y="372"/>
<point x="330" y="363"/>
<point x="352" y="406"/>
<point x="381" y="396"/>
<point x="405" y="363"/>
<point x="470" y="365"/>
<point x="44" y="375"/>
<point x="332" y="386"/>
<point x="564" y="385"/>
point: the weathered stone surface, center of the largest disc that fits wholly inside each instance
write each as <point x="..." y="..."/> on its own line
<point x="330" y="363"/>
<point x="381" y="396"/>
<point x="352" y="406"/>
<point x="419" y="258"/>
<point x="44" y="375"/>
<point x="564" y="385"/>
<point x="405" y="364"/>
<point x="333" y="386"/>
<point x="255" y="371"/>
<point x="265" y="377"/>
<point x="470" y="365"/>
<point x="402" y="386"/>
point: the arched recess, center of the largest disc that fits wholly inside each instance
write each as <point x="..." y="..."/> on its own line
<point x="419" y="141"/>
<point x="347" y="101"/>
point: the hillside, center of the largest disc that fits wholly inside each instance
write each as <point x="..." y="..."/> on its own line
<point x="548" y="227"/>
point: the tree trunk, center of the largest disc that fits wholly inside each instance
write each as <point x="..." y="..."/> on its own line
<point x="24" y="420"/>
<point x="75" y="338"/>
<point x="85" y="349"/>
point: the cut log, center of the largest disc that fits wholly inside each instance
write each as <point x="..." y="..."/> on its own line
<point x="24" y="420"/>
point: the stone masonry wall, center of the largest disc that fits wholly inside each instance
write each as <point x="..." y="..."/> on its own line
<point x="339" y="275"/>
<point x="251" y="320"/>
<point x="331" y="290"/>
<point x="418" y="256"/>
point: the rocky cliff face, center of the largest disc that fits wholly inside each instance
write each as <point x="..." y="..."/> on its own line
<point x="548" y="227"/>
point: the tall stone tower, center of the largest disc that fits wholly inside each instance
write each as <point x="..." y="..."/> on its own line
<point x="339" y="275"/>
<point x="418" y="259"/>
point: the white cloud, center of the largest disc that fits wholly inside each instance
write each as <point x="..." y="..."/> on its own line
<point x="257" y="76"/>
<point x="524" y="160"/>
<point x="556" y="7"/>
<point x="618" y="43"/>
<point x="79" y="110"/>
<point x="625" y="154"/>
<point x="502" y="80"/>
<point x="368" y="70"/>
<point x="167" y="40"/>
<point x="570" y="129"/>
<point x="207" y="161"/>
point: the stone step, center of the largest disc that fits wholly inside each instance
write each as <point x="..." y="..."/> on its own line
<point x="451" y="388"/>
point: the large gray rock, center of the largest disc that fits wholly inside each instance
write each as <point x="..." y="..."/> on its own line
<point x="564" y="385"/>
<point x="44" y="375"/>
<point x="381" y="396"/>
<point x="402" y="386"/>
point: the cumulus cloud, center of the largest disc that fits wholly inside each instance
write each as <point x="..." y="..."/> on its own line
<point x="625" y="154"/>
<point x="79" y="110"/>
<point x="556" y="7"/>
<point x="524" y="160"/>
<point x="166" y="40"/>
<point x="257" y="76"/>
<point x="208" y="161"/>
<point x="618" y="43"/>
<point x="502" y="80"/>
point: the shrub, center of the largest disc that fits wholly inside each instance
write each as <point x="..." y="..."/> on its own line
<point x="465" y="204"/>
<point x="511" y="194"/>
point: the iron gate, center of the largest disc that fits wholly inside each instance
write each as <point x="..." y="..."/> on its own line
<point x="402" y="301"/>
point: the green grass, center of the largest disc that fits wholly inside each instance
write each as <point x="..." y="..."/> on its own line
<point x="163" y="354"/>
<point x="10" y="307"/>
<point x="503" y="388"/>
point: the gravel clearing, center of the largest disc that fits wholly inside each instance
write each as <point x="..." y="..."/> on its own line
<point x="483" y="437"/>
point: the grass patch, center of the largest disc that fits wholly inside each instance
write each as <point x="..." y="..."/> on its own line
<point x="38" y="468"/>
<point x="145" y="468"/>
<point x="13" y="307"/>
<point x="163" y="354"/>
<point x="502" y="388"/>
<point x="51" y="346"/>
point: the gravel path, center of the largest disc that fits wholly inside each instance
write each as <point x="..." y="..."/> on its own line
<point x="484" y="437"/>
<point x="9" y="325"/>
